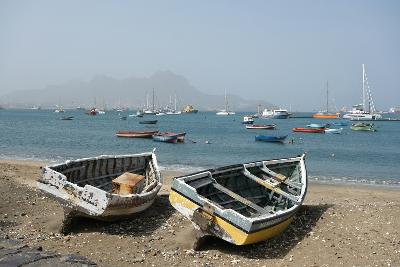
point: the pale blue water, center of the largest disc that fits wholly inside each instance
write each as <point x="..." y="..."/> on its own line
<point x="350" y="157"/>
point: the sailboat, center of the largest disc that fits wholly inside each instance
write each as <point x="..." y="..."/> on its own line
<point x="151" y="111"/>
<point x="366" y="110"/>
<point x="174" y="111"/>
<point x="225" y="111"/>
<point x="326" y="114"/>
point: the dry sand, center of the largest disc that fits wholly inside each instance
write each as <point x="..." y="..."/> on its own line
<point x="338" y="225"/>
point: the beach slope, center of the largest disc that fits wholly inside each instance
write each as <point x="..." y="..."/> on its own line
<point x="339" y="225"/>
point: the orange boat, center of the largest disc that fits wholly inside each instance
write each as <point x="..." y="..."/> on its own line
<point x="308" y="130"/>
<point x="325" y="115"/>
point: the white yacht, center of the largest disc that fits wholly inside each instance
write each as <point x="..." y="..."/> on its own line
<point x="366" y="110"/>
<point x="275" y="113"/>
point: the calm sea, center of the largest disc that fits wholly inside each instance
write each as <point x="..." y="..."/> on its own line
<point x="351" y="157"/>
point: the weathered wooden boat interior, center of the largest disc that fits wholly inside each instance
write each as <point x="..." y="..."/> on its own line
<point x="99" y="172"/>
<point x="252" y="189"/>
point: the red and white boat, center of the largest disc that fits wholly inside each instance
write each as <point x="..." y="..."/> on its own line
<point x="261" y="127"/>
<point x="136" y="134"/>
<point x="308" y="130"/>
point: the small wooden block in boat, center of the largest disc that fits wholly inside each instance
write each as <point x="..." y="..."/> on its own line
<point x="128" y="183"/>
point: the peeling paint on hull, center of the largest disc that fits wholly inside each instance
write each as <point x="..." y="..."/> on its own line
<point x="83" y="187"/>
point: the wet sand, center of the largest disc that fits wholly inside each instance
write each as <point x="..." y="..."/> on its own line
<point x="338" y="225"/>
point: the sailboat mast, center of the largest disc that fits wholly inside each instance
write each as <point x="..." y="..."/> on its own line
<point x="226" y="102"/>
<point x="363" y="85"/>
<point x="153" y="101"/>
<point x="175" y="104"/>
<point x="327" y="97"/>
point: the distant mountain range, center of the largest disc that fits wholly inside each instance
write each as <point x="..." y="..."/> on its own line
<point x="131" y="92"/>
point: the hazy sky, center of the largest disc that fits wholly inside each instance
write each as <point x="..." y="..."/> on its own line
<point x="279" y="51"/>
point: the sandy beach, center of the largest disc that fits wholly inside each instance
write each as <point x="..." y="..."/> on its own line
<point x="338" y="225"/>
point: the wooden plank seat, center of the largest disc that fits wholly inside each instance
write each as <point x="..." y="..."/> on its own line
<point x="269" y="185"/>
<point x="280" y="177"/>
<point x="239" y="198"/>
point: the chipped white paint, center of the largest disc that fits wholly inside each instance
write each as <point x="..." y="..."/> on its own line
<point x="96" y="202"/>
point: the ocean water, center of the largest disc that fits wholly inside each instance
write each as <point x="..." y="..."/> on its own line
<point x="350" y="157"/>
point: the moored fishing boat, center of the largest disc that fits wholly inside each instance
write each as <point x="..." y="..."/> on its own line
<point x="69" y="118"/>
<point x="136" y="134"/>
<point x="104" y="187"/>
<point x="308" y="130"/>
<point x="148" y="122"/>
<point x="261" y="127"/>
<point x="181" y="136"/>
<point x="370" y="127"/>
<point x="248" y="120"/>
<point x="242" y="203"/>
<point x="270" y="138"/>
<point x="334" y="131"/>
<point x="325" y="115"/>
<point x="165" y="137"/>
<point x="340" y="123"/>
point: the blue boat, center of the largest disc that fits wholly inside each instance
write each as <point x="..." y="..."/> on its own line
<point x="270" y="138"/>
<point x="148" y="122"/>
<point x="166" y="137"/>
<point x="340" y="123"/>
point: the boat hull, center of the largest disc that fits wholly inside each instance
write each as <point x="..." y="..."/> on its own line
<point x="326" y="116"/>
<point x="180" y="136"/>
<point x="136" y="134"/>
<point x="308" y="130"/>
<point x="216" y="213"/>
<point x="228" y="231"/>
<point x="281" y="116"/>
<point x="334" y="131"/>
<point x="266" y="138"/>
<point x="84" y="186"/>
<point x="166" y="138"/>
<point x="261" y="127"/>
<point x="366" y="128"/>
<point x="148" y="122"/>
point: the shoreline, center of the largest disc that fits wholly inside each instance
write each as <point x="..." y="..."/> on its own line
<point x="337" y="225"/>
<point x="166" y="171"/>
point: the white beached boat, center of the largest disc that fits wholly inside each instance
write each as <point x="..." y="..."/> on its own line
<point x="92" y="187"/>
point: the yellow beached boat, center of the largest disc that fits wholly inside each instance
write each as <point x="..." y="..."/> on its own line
<point x="243" y="203"/>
